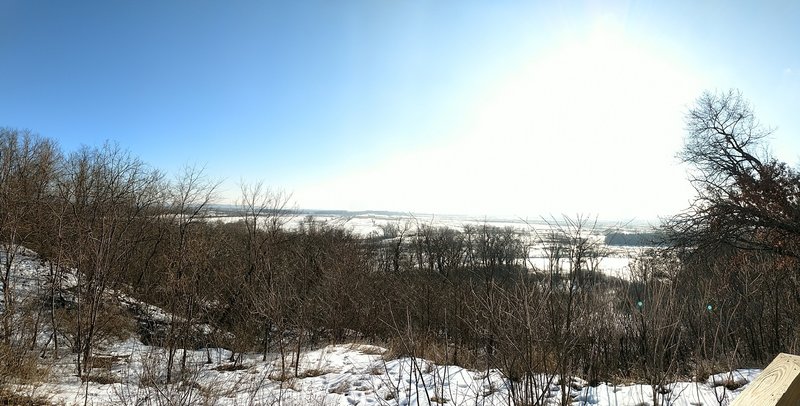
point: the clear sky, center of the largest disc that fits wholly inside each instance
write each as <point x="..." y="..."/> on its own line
<point x="463" y="107"/>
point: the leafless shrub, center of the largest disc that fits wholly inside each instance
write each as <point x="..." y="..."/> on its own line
<point x="21" y="367"/>
<point x="9" y="397"/>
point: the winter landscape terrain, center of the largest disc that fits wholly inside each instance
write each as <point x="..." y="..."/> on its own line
<point x="123" y="286"/>
<point x="127" y="372"/>
<point x="615" y="257"/>
<point x="398" y="203"/>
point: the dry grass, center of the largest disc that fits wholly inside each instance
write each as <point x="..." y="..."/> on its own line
<point x="281" y="376"/>
<point x="230" y="367"/>
<point x="101" y="377"/>
<point x="106" y="361"/>
<point x="705" y="368"/>
<point x="8" y="397"/>
<point x="342" y="388"/>
<point x="20" y="367"/>
<point x="439" y="400"/>
<point x="312" y="372"/>
<point x="730" y="384"/>
<point x="434" y="351"/>
<point x="368" y="349"/>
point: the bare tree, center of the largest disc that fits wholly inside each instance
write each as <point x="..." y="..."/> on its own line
<point x="27" y="164"/>
<point x="189" y="201"/>
<point x="265" y="213"/>
<point x="745" y="197"/>
<point x="743" y="226"/>
<point x="655" y="324"/>
<point x="107" y="195"/>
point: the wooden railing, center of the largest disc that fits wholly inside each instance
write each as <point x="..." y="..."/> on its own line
<point x="777" y="385"/>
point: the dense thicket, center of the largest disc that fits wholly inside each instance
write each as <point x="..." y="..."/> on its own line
<point x="724" y="294"/>
<point x="740" y="239"/>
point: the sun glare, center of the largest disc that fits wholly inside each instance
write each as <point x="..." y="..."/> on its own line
<point x="582" y="110"/>
<point x="568" y="131"/>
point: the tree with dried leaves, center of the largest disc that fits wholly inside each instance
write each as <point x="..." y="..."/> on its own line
<point x="746" y="198"/>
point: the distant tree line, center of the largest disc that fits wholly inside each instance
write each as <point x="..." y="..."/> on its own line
<point x="636" y="239"/>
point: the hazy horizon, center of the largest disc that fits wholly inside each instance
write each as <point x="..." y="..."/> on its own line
<point x="482" y="109"/>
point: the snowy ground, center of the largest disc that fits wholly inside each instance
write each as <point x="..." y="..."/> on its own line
<point x="131" y="373"/>
<point x="354" y="374"/>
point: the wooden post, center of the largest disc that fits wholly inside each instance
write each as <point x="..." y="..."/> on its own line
<point x="777" y="385"/>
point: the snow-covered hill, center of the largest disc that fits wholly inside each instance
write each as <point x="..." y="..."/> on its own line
<point x="128" y="372"/>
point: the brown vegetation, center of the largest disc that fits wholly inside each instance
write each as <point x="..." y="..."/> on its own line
<point x="722" y="295"/>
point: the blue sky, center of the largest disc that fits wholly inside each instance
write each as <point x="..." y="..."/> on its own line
<point x="484" y="108"/>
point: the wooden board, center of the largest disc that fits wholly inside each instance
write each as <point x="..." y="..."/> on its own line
<point x="777" y="385"/>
